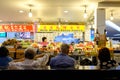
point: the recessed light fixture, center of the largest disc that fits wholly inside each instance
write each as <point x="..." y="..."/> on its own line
<point x="65" y="11"/>
<point x="21" y="11"/>
<point x="117" y="35"/>
<point x="0" y="20"/>
<point x="112" y="25"/>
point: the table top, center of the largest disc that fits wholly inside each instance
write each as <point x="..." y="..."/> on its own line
<point x="79" y="67"/>
<point x="91" y="67"/>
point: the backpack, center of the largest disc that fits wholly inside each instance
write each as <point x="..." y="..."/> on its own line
<point x="85" y="62"/>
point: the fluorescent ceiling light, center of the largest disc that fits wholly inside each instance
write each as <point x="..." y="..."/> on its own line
<point x="0" y="20"/>
<point x="117" y="35"/>
<point x="112" y="25"/>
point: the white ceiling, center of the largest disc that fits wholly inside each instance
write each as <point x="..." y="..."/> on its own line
<point x="47" y="10"/>
<point x="50" y="10"/>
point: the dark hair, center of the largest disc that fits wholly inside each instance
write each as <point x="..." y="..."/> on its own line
<point x="104" y="54"/>
<point x="65" y="48"/>
<point x="4" y="51"/>
<point x="29" y="53"/>
<point x="72" y="42"/>
<point x="43" y="38"/>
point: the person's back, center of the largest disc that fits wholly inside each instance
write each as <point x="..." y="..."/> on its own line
<point x="105" y="61"/>
<point x="4" y="58"/>
<point x="29" y="62"/>
<point x="62" y="60"/>
<point x="4" y="61"/>
<point x="108" y="64"/>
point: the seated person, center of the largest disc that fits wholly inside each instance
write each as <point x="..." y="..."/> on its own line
<point x="4" y="58"/>
<point x="30" y="61"/>
<point x="62" y="60"/>
<point x="105" y="59"/>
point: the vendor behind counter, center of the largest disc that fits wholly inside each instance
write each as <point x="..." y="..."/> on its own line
<point x="44" y="42"/>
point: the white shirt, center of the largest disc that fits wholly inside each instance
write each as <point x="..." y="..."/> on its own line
<point x="28" y="64"/>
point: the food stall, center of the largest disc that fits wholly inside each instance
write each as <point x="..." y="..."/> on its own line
<point x="60" y="34"/>
<point x="13" y="35"/>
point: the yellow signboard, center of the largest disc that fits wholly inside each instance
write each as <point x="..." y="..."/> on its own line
<point x="47" y="28"/>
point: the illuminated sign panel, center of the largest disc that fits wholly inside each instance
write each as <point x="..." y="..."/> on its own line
<point x="3" y="34"/>
<point x="92" y="32"/>
<point x="16" y="28"/>
<point x="41" y="28"/>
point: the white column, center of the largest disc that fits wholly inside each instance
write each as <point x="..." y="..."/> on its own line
<point x="100" y="20"/>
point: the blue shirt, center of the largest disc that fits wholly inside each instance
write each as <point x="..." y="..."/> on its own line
<point x="4" y="61"/>
<point x="62" y="61"/>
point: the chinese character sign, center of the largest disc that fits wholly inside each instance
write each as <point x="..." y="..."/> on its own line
<point x="41" y="28"/>
<point x="16" y="28"/>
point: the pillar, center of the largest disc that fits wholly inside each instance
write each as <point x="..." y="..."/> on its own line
<point x="100" y="27"/>
<point x="100" y="20"/>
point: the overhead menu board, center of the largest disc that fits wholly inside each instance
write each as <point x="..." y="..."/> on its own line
<point x="47" y="28"/>
<point x="16" y="28"/>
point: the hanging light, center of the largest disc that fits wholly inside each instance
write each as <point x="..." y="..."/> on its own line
<point x="85" y="15"/>
<point x="59" y="23"/>
<point x="85" y="12"/>
<point x="111" y="15"/>
<point x="30" y="13"/>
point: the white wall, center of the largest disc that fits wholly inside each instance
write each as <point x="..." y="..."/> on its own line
<point x="51" y="36"/>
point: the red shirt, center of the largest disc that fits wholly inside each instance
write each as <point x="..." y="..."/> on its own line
<point x="71" y="48"/>
<point x="44" y="43"/>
